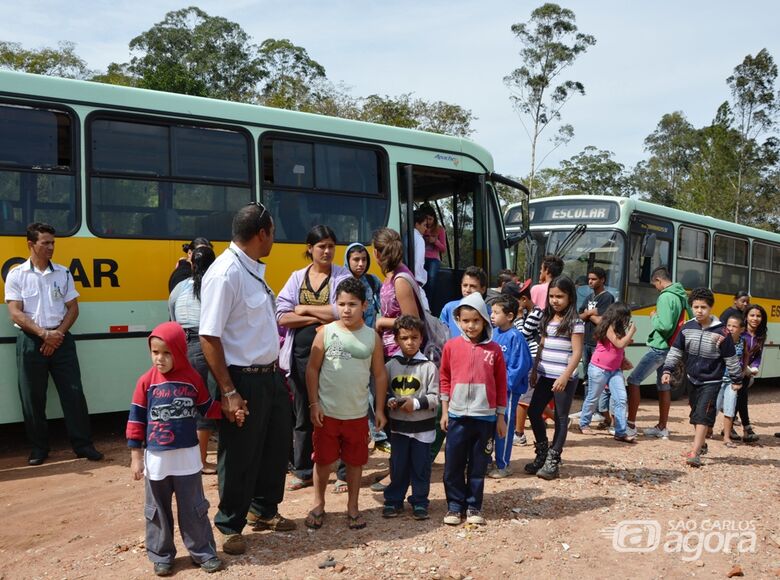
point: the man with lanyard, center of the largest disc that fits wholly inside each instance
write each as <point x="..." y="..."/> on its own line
<point x="42" y="302"/>
<point x="241" y="345"/>
<point x="670" y="310"/>
<point x="593" y="309"/>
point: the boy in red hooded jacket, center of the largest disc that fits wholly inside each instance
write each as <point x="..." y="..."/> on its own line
<point x="162" y="420"/>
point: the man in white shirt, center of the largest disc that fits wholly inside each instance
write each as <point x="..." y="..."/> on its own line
<point x="420" y="221"/>
<point x="240" y="342"/>
<point x="42" y="302"/>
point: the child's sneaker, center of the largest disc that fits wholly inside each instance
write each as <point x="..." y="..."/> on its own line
<point x="693" y="459"/>
<point x="519" y="439"/>
<point x="500" y="473"/>
<point x="390" y="511"/>
<point x="630" y="431"/>
<point x="420" y="512"/>
<point x="163" y="569"/>
<point x="656" y="432"/>
<point x="211" y="565"/>
<point x="453" y="518"/>
<point x="474" y="517"/>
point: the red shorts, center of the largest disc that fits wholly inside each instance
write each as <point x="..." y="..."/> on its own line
<point x="341" y="439"/>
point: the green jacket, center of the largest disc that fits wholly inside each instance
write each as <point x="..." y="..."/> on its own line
<point x="670" y="304"/>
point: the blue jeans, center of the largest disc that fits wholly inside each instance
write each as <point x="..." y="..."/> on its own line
<point x="410" y="463"/>
<point x="598" y="378"/>
<point x="431" y="266"/>
<point x="504" y="445"/>
<point x="653" y="360"/>
<point x="727" y="399"/>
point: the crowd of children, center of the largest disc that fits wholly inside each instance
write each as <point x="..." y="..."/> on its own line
<point x="514" y="360"/>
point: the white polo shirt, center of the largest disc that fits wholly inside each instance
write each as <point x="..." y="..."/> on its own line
<point x="43" y="294"/>
<point x="239" y="309"/>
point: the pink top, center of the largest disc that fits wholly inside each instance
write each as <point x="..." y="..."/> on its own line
<point x="539" y="295"/>
<point x="390" y="308"/>
<point x="607" y="356"/>
<point x="433" y="250"/>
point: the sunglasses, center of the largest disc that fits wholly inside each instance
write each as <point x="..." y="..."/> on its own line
<point x="263" y="209"/>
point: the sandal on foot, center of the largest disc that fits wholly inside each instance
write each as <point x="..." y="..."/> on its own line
<point x="340" y="487"/>
<point x="314" y="520"/>
<point x="587" y="430"/>
<point x="377" y="486"/>
<point x="730" y="445"/>
<point x="298" y="483"/>
<point x="356" y="522"/>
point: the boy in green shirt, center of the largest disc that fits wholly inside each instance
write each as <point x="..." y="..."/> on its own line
<point x="345" y="353"/>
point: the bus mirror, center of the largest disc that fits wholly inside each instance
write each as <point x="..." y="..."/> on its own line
<point x="648" y="245"/>
<point x="513" y="239"/>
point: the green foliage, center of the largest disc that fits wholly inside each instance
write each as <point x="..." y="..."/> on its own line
<point x="60" y="62"/>
<point x="293" y="80"/>
<point x="590" y="172"/>
<point x="551" y="43"/>
<point x="193" y="53"/>
<point x="116" y="74"/>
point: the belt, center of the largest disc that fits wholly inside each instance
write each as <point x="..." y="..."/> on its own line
<point x="190" y="332"/>
<point x="255" y="369"/>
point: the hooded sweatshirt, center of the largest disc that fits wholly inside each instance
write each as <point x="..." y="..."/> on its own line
<point x="414" y="377"/>
<point x="668" y="308"/>
<point x="473" y="375"/>
<point x="517" y="358"/>
<point x="707" y="358"/>
<point x="165" y="407"/>
<point x="371" y="283"/>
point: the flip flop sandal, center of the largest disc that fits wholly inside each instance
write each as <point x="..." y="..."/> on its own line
<point x="340" y="487"/>
<point x="298" y="483"/>
<point x="377" y="486"/>
<point x="314" y="520"/>
<point x="356" y="522"/>
<point x="731" y="445"/>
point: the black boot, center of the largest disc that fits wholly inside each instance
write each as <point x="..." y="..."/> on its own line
<point x="550" y="469"/>
<point x="541" y="455"/>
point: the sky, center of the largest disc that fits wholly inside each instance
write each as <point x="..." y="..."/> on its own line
<point x="651" y="58"/>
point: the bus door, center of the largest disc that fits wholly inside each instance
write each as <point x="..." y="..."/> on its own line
<point x="459" y="201"/>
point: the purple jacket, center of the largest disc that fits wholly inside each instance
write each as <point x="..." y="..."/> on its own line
<point x="288" y="300"/>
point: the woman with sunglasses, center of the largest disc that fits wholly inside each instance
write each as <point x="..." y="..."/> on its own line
<point x="306" y="302"/>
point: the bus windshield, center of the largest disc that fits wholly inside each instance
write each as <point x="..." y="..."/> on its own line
<point x="604" y="249"/>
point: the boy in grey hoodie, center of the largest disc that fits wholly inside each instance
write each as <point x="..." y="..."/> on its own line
<point x="413" y="402"/>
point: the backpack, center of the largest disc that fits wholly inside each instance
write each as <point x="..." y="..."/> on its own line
<point x="436" y="332"/>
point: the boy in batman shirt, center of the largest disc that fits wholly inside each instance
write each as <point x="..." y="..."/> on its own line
<point x="413" y="398"/>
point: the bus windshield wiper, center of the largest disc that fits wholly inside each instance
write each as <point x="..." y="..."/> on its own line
<point x="563" y="247"/>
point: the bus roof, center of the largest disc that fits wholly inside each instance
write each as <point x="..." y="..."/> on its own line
<point x="659" y="211"/>
<point x="106" y="96"/>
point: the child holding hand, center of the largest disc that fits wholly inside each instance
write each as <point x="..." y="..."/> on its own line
<point x="163" y="441"/>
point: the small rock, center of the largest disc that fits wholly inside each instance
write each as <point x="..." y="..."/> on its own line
<point x="456" y="575"/>
<point x="339" y="567"/>
<point x="519" y="560"/>
<point x="776" y="539"/>
<point x="565" y="546"/>
<point x="536" y="556"/>
<point x="735" y="571"/>
<point x="700" y="563"/>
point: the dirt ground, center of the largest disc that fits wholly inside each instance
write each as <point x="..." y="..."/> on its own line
<point x="75" y="519"/>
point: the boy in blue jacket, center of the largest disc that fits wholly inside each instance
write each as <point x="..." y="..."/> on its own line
<point x="518" y="364"/>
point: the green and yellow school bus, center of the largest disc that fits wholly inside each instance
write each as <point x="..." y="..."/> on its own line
<point x="126" y="175"/>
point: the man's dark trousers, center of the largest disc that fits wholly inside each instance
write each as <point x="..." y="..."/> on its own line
<point x="252" y="459"/>
<point x="34" y="369"/>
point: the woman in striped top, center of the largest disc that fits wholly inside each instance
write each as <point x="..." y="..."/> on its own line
<point x="555" y="374"/>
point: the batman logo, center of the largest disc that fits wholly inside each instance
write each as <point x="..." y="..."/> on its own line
<point x="405" y="385"/>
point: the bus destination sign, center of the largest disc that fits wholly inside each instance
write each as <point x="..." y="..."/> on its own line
<point x="561" y="212"/>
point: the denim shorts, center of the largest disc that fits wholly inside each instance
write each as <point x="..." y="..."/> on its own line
<point x="653" y="360"/>
<point x="727" y="399"/>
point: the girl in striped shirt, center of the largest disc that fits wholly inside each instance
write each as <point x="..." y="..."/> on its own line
<point x="555" y="374"/>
